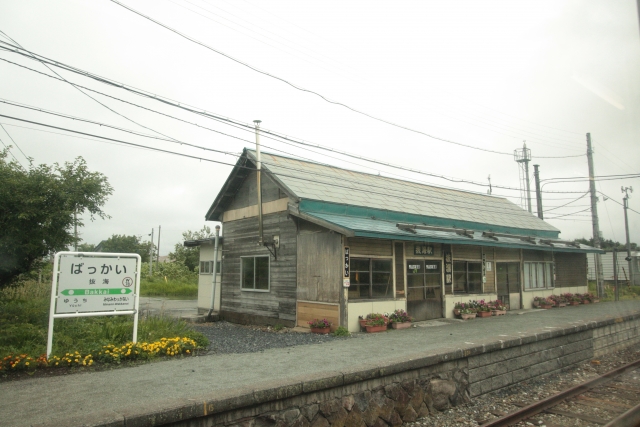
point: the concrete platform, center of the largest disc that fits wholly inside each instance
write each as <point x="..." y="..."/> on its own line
<point x="176" y="390"/>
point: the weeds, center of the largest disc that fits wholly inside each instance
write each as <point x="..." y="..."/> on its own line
<point x="341" y="331"/>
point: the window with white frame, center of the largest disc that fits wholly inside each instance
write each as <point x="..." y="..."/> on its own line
<point x="254" y="273"/>
<point x="538" y="275"/>
<point x="206" y="267"/>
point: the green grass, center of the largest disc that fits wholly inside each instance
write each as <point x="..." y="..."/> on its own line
<point x="159" y="287"/>
<point x="626" y="292"/>
<point x="24" y="317"/>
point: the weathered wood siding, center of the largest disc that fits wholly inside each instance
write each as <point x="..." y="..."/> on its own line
<point x="490" y="283"/>
<point x="507" y="254"/>
<point x="309" y="311"/>
<point x="372" y="247"/>
<point x="571" y="269"/>
<point x="247" y="195"/>
<point x="469" y="252"/>
<point x="279" y="304"/>
<point x="319" y="263"/>
<point x="531" y="255"/>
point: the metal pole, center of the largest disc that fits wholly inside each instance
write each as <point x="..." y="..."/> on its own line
<point x="536" y="176"/>
<point x="615" y="273"/>
<point x="259" y="189"/>
<point x="52" y="306"/>
<point x="526" y="173"/>
<point x="626" y="230"/>
<point x="158" y="253"/>
<point x="594" y="218"/>
<point x="215" y="271"/>
<point x="151" y="255"/>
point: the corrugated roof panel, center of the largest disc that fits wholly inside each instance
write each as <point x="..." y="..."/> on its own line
<point x="329" y="184"/>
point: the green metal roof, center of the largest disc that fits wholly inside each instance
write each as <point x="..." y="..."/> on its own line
<point x="361" y="191"/>
<point x="381" y="227"/>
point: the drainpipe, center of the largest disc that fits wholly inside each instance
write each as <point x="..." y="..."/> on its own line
<point x="259" y="190"/>
<point x="215" y="271"/>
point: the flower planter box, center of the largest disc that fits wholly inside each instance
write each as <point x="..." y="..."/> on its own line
<point x="372" y="329"/>
<point x="484" y="314"/>
<point x="574" y="303"/>
<point x="456" y="312"/>
<point x="320" y="330"/>
<point x="595" y="301"/>
<point x="363" y="324"/>
<point x="468" y="316"/>
<point x="499" y="312"/>
<point x="561" y="304"/>
<point x="585" y="301"/>
<point x="546" y="306"/>
<point x="403" y="325"/>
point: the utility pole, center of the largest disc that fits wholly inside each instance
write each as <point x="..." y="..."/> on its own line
<point x="594" y="218"/>
<point x="625" y="200"/>
<point x="259" y="189"/>
<point x="158" y="253"/>
<point x="536" y="176"/>
<point x="151" y="255"/>
<point x="615" y="272"/>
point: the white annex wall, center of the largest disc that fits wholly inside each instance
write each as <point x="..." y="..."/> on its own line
<point x="205" y="280"/>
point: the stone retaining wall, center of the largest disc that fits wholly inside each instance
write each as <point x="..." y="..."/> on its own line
<point x="404" y="390"/>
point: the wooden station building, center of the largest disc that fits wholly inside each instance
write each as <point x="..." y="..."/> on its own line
<point x="339" y="244"/>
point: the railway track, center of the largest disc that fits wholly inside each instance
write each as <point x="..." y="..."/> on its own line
<point x="612" y="399"/>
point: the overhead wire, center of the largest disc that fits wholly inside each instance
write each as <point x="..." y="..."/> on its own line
<point x="80" y="90"/>
<point x="267" y="134"/>
<point x="561" y="206"/>
<point x="12" y="155"/>
<point x="316" y="93"/>
<point x="297" y="177"/>
<point x="16" y="144"/>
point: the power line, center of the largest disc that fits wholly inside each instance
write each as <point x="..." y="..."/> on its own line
<point x="80" y="90"/>
<point x="587" y="178"/>
<point x="615" y="201"/>
<point x="569" y="214"/>
<point x="269" y="134"/>
<point x="561" y="206"/>
<point x="14" y="157"/>
<point x="313" y="92"/>
<point x="16" y="144"/>
<point x="297" y="177"/>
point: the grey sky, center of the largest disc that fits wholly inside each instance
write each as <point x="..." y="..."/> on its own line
<point x="489" y="74"/>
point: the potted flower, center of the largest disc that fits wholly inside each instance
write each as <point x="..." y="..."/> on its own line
<point x="498" y="308"/>
<point x="467" y="313"/>
<point x="458" y="307"/>
<point x="558" y="300"/>
<point x="376" y="322"/>
<point x="539" y="302"/>
<point x="400" y="319"/>
<point x="591" y="297"/>
<point x="362" y="322"/>
<point x="575" y="299"/>
<point x="320" y="326"/>
<point x="484" y="310"/>
<point x="584" y="298"/>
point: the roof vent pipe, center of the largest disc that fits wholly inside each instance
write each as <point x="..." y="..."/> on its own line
<point x="215" y="271"/>
<point x="259" y="189"/>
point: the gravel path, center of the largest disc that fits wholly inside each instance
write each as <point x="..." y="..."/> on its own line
<point x="226" y="337"/>
<point x="492" y="405"/>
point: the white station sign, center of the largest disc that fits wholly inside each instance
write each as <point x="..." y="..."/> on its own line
<point x="95" y="283"/>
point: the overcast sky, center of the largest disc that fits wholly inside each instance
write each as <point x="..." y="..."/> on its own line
<point x="487" y="74"/>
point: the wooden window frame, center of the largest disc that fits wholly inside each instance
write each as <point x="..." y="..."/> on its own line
<point x="253" y="289"/>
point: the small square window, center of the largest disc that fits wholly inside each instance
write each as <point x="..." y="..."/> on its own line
<point x="255" y="273"/>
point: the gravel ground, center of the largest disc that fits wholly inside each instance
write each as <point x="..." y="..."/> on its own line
<point x="226" y="337"/>
<point x="501" y="402"/>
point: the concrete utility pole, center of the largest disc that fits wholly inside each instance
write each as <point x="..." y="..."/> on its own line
<point x="615" y="272"/>
<point x="158" y="253"/>
<point x="594" y="218"/>
<point x="625" y="201"/>
<point x="536" y="176"/>
<point x="523" y="157"/>
<point x="151" y="255"/>
<point x="259" y="189"/>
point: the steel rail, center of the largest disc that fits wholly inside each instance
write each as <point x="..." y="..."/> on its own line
<point x="537" y="407"/>
<point x="631" y="418"/>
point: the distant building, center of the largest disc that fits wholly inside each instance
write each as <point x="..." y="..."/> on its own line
<point x="342" y="244"/>
<point x="623" y="267"/>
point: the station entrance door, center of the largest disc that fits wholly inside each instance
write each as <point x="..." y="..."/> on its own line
<point x="508" y="281"/>
<point x="424" y="289"/>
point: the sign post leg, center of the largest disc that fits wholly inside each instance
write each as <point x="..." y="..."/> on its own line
<point x="52" y="307"/>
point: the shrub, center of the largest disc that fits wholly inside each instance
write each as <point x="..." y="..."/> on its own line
<point x="341" y="332"/>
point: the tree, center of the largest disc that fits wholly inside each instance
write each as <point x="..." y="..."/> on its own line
<point x="86" y="247"/>
<point x="127" y="244"/>
<point x="190" y="257"/>
<point x="37" y="207"/>
<point x="608" y="244"/>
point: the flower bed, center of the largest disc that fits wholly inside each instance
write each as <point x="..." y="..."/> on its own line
<point x="167" y="347"/>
